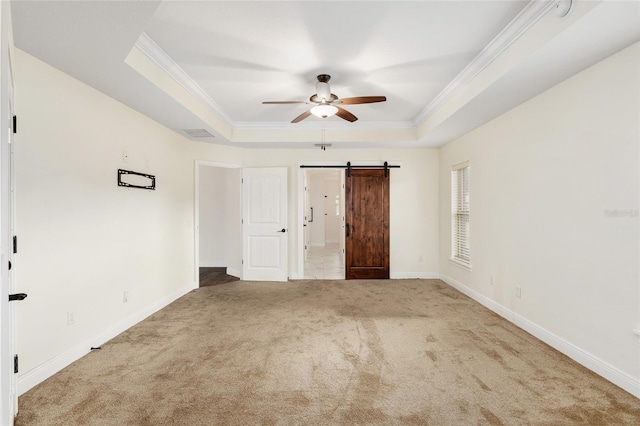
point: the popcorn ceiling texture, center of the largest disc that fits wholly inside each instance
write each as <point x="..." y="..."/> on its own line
<point x="326" y="352"/>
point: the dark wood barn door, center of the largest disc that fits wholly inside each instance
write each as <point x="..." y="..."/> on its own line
<point x="367" y="224"/>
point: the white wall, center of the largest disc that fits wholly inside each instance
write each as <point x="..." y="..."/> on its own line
<point x="413" y="201"/>
<point x="84" y="241"/>
<point x="543" y="178"/>
<point x="212" y="192"/>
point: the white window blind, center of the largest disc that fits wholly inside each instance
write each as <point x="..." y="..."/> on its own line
<point x="460" y="211"/>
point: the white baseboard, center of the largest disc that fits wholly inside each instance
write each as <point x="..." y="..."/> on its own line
<point x="593" y="363"/>
<point x="44" y="371"/>
<point x="293" y="275"/>
<point x="234" y="272"/>
<point x="414" y="275"/>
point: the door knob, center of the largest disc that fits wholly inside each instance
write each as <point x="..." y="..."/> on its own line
<point x="282" y="230"/>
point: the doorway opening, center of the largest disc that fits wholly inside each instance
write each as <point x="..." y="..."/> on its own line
<point x="323" y="224"/>
<point x="218" y="226"/>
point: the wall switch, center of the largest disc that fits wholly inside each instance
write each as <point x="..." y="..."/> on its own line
<point x="518" y="292"/>
<point x="125" y="297"/>
<point x="71" y="318"/>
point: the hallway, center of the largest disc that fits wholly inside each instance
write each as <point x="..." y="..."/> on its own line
<point x="324" y="263"/>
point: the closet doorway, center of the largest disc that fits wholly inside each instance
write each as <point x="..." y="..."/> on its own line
<point x="218" y="211"/>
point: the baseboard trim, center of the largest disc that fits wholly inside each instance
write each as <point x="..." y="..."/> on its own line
<point x="579" y="355"/>
<point x="234" y="272"/>
<point x="42" y="372"/>
<point x="414" y="275"/>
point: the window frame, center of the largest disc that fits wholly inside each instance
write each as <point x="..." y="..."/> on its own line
<point x="461" y="215"/>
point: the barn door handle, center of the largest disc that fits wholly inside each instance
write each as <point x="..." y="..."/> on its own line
<point x="348" y="229"/>
<point x="282" y="230"/>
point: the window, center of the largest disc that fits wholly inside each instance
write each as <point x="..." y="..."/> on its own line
<point x="460" y="214"/>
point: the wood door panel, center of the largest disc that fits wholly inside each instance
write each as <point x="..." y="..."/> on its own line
<point x="367" y="211"/>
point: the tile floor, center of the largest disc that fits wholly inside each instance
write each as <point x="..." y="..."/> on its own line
<point x="324" y="263"/>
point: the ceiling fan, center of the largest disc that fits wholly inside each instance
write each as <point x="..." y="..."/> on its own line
<point x="326" y="103"/>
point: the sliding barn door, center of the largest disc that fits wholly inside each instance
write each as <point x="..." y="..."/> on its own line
<point x="367" y="224"/>
<point x="264" y="224"/>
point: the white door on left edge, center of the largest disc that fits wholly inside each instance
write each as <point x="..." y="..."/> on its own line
<point x="264" y="224"/>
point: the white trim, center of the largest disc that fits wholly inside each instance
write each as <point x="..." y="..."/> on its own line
<point x="459" y="166"/>
<point x="51" y="367"/>
<point x="593" y="363"/>
<point x="293" y="275"/>
<point x="531" y="14"/>
<point x="414" y="275"/>
<point x="460" y="263"/>
<point x="234" y="272"/>
<point x="164" y="61"/>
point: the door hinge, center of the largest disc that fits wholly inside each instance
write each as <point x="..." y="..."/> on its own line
<point x="15" y="124"/>
<point x="15" y="364"/>
<point x="15" y="244"/>
<point x="243" y="261"/>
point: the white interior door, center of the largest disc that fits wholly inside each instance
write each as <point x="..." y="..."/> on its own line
<point x="264" y="224"/>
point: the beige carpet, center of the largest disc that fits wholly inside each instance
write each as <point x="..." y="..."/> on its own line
<point x="413" y="352"/>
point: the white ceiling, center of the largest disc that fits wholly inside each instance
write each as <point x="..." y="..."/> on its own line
<point x="445" y="67"/>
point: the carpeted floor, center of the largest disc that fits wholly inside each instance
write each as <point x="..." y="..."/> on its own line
<point x="414" y="352"/>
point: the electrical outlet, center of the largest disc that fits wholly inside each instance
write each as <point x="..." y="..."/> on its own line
<point x="518" y="291"/>
<point x="71" y="318"/>
<point x="125" y="297"/>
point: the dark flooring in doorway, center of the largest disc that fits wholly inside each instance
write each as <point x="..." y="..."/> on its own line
<point x="215" y="276"/>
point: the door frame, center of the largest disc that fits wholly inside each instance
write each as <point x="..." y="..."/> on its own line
<point x="8" y="387"/>
<point x="196" y="212"/>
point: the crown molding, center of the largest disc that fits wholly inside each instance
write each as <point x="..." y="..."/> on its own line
<point x="531" y="14"/>
<point x="164" y="61"/>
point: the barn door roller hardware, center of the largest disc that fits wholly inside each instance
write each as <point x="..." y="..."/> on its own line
<point x="386" y="166"/>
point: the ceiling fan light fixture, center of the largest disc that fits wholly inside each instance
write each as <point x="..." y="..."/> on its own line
<point x="324" y="110"/>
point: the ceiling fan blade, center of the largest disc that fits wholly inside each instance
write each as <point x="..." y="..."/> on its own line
<point x="301" y="117"/>
<point x="284" y="102"/>
<point x="361" y="100"/>
<point x="345" y="115"/>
